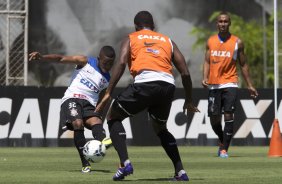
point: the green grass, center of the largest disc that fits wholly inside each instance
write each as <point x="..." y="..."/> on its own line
<point x="151" y="165"/>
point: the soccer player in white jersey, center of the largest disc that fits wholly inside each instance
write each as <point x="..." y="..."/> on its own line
<point x="88" y="83"/>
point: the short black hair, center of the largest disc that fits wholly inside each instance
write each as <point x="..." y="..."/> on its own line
<point x="144" y="19"/>
<point x="108" y="51"/>
<point x="224" y="13"/>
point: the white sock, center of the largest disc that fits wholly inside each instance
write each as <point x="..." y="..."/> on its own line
<point x="181" y="172"/>
<point x="126" y="162"/>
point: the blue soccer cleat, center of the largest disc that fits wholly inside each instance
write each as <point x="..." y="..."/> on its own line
<point x="122" y="172"/>
<point x="220" y="147"/>
<point x="181" y="176"/>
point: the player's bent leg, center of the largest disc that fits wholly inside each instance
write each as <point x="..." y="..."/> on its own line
<point x="169" y="144"/>
<point x="80" y="141"/>
<point x="118" y="136"/>
<point x="98" y="132"/>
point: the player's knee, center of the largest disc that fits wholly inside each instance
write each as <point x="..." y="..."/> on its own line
<point x="158" y="126"/>
<point x="77" y="124"/>
<point x="117" y="112"/>
<point x="167" y="139"/>
<point x="228" y="117"/>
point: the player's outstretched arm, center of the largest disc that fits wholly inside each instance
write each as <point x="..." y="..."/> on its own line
<point x="179" y="63"/>
<point x="78" y="59"/>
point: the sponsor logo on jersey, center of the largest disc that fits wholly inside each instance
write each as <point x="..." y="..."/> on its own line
<point x="73" y="112"/>
<point x="154" y="51"/>
<point x="89" y="85"/>
<point x="140" y="37"/>
<point x="220" y="53"/>
<point x="148" y="44"/>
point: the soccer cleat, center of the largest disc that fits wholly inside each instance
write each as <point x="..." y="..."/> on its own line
<point x="223" y="154"/>
<point x="220" y="147"/>
<point x="86" y="169"/>
<point x="181" y="176"/>
<point x="107" y="142"/>
<point x="122" y="172"/>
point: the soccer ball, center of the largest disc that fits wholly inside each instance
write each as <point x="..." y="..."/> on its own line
<point x="94" y="151"/>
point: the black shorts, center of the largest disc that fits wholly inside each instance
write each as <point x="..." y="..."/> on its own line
<point x="155" y="96"/>
<point x="222" y="100"/>
<point x="75" y="108"/>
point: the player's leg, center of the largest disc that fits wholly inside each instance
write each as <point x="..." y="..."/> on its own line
<point x="72" y="119"/>
<point x="217" y="127"/>
<point x="93" y="122"/>
<point x="125" y="105"/>
<point x="169" y="144"/>
<point x="229" y="98"/>
<point x="79" y="142"/>
<point x="215" y="114"/>
<point x="159" y="112"/>
<point x="228" y="130"/>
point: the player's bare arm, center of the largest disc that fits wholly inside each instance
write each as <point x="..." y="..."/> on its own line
<point x="206" y="67"/>
<point x="118" y="70"/>
<point x="78" y="59"/>
<point x="180" y="64"/>
<point x="245" y="69"/>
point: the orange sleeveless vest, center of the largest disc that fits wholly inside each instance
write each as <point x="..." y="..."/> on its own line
<point x="150" y="51"/>
<point x="222" y="63"/>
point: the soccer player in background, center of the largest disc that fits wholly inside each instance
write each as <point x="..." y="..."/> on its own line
<point x="223" y="51"/>
<point x="88" y="83"/>
<point x="150" y="57"/>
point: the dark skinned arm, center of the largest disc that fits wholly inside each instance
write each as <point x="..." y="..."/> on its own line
<point x="245" y="69"/>
<point x="118" y="71"/>
<point x="57" y="58"/>
<point x="206" y="67"/>
<point x="180" y="64"/>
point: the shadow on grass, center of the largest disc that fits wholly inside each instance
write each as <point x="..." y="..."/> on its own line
<point x="165" y="179"/>
<point x="156" y="179"/>
<point x="93" y="171"/>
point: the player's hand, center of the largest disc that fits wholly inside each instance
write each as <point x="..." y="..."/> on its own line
<point x="205" y="83"/>
<point x="189" y="107"/>
<point x="103" y="103"/>
<point x="253" y="92"/>
<point x="35" y="56"/>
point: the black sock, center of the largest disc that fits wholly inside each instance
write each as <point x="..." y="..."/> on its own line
<point x="227" y="134"/>
<point x="169" y="144"/>
<point x="98" y="132"/>
<point x="79" y="141"/>
<point x="118" y="136"/>
<point x="217" y="128"/>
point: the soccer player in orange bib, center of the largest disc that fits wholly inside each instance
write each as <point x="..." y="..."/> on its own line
<point x="223" y="51"/>
<point x="150" y="56"/>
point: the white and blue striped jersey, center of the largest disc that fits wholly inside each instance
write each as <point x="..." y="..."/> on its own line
<point x="87" y="82"/>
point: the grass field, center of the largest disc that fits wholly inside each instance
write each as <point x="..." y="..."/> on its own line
<point x="151" y="165"/>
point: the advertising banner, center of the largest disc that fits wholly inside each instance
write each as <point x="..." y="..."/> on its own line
<point x="29" y="116"/>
